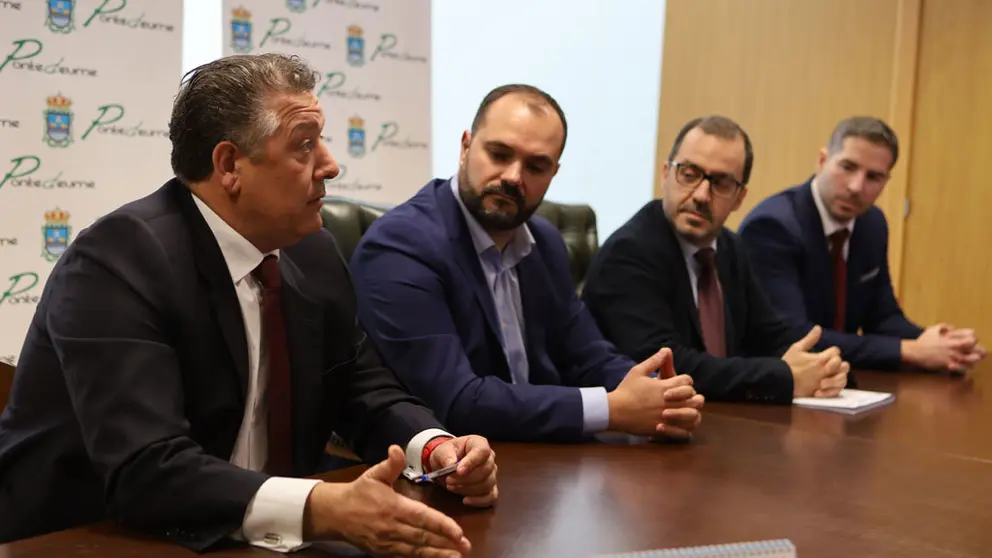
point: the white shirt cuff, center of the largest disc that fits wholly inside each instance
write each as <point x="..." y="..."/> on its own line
<point x="274" y="518"/>
<point x="415" y="451"/>
<point x="595" y="410"/>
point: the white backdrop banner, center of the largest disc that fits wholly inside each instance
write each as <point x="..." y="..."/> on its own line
<point x="87" y="93"/>
<point x="373" y="59"/>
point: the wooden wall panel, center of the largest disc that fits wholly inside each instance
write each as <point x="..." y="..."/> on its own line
<point x="947" y="271"/>
<point x="788" y="71"/>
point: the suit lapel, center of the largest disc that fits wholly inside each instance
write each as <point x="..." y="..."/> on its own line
<point x="857" y="256"/>
<point x="304" y="332"/>
<point x="725" y="276"/>
<point x="465" y="255"/>
<point x="223" y="298"/>
<point x="683" y="286"/>
<point x="818" y="266"/>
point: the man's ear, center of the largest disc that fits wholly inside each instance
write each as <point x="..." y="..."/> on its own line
<point x="225" y="158"/>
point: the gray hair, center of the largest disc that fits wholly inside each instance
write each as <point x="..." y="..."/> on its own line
<point x="224" y="100"/>
<point x="868" y="128"/>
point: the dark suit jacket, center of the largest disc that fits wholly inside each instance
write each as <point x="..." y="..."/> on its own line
<point x="784" y="235"/>
<point x="638" y="291"/>
<point x="424" y="299"/>
<point x="131" y="385"/>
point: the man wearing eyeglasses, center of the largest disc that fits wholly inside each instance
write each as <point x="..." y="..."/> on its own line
<point x="821" y="249"/>
<point x="674" y="276"/>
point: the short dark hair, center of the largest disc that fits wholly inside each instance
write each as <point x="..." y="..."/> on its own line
<point x="866" y="127"/>
<point x="721" y="127"/>
<point x="224" y="100"/>
<point x="542" y="99"/>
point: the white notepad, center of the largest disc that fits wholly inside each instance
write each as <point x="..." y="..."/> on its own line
<point x="781" y="548"/>
<point x="849" y="402"/>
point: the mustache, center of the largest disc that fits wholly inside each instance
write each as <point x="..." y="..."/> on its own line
<point x="506" y="189"/>
<point x="700" y="208"/>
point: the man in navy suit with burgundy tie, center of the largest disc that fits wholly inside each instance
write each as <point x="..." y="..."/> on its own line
<point x="821" y="250"/>
<point x="469" y="298"/>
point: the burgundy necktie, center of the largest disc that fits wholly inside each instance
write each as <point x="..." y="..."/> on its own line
<point x="840" y="277"/>
<point x="710" y="304"/>
<point x="280" y="459"/>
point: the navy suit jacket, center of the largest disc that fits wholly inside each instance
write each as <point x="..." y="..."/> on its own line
<point x="131" y="385"/>
<point x="423" y="297"/>
<point x="788" y="249"/>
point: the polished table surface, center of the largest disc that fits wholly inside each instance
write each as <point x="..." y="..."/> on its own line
<point x="910" y="479"/>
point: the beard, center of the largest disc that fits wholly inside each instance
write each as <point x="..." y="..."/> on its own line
<point x="509" y="212"/>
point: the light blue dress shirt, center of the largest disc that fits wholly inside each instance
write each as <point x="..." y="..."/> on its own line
<point x="500" y="270"/>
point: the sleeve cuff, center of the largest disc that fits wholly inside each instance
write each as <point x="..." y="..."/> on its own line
<point x="274" y="518"/>
<point x="595" y="410"/>
<point x="415" y="450"/>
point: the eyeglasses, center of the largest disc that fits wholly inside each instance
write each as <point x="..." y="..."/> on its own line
<point x="691" y="176"/>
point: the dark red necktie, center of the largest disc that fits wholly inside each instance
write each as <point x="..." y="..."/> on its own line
<point x="710" y="304"/>
<point x="280" y="459"/>
<point x="840" y="277"/>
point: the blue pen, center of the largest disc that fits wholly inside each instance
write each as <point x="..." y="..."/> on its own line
<point x="427" y="477"/>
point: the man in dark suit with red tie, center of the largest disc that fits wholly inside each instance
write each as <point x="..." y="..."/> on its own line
<point x="194" y="350"/>
<point x="821" y="251"/>
<point x="674" y="276"/>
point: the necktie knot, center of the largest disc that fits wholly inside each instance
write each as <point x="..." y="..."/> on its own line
<point x="705" y="257"/>
<point x="267" y="272"/>
<point x="837" y="239"/>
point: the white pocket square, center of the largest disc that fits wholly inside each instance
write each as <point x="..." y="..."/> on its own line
<point x="870" y="275"/>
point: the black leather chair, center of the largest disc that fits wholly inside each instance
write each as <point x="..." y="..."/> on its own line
<point x="349" y="219"/>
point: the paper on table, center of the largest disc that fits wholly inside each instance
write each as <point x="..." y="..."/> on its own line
<point x="850" y="401"/>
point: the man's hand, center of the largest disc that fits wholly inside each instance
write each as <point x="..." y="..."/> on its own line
<point x="647" y="406"/>
<point x="475" y="478"/>
<point x="821" y="374"/>
<point x="942" y="347"/>
<point x="369" y="514"/>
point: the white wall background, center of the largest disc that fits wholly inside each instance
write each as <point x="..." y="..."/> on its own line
<point x="601" y="59"/>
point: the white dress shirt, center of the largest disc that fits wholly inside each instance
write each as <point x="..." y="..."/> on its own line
<point x="689" y="253"/>
<point x="831" y="225"/>
<point x="274" y="518"/>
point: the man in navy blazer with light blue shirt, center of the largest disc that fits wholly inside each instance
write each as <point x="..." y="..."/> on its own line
<point x="821" y="251"/>
<point x="469" y="299"/>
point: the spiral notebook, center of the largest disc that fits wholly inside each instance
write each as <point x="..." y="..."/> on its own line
<point x="780" y="548"/>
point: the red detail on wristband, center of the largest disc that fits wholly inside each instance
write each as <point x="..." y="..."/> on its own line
<point x="425" y="457"/>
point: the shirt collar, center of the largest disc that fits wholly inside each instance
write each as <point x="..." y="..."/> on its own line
<point x="517" y="249"/>
<point x="242" y="256"/>
<point x="688" y="249"/>
<point x="830" y="225"/>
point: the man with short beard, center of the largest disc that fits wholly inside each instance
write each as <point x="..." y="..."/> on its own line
<point x="674" y="276"/>
<point x="469" y="298"/>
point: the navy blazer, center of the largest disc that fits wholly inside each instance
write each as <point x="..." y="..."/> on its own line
<point x="788" y="249"/>
<point x="424" y="300"/>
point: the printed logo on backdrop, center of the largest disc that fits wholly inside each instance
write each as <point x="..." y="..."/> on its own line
<point x="8" y="241"/>
<point x="356" y="136"/>
<point x="20" y="289"/>
<point x="60" y="17"/>
<point x="384" y="50"/>
<point x="340" y="183"/>
<point x="389" y="137"/>
<point x="21" y="57"/>
<point x="55" y="232"/>
<point x="356" y="46"/>
<point x="350" y="4"/>
<point x="241" y="31"/>
<point x="9" y="124"/>
<point x="59" y="117"/>
<point x="10" y="5"/>
<point x="58" y="122"/>
<point x="24" y="173"/>
<point x="296" y="6"/>
<point x="332" y="85"/>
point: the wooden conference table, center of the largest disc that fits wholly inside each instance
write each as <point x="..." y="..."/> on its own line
<point x="911" y="479"/>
